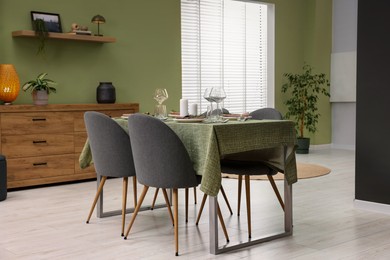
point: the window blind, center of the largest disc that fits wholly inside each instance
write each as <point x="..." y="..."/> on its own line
<point x="225" y="44"/>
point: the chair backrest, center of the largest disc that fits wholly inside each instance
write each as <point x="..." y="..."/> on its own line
<point x="110" y="146"/>
<point x="160" y="158"/>
<point x="266" y="113"/>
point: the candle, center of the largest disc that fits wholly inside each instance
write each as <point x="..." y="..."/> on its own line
<point x="183" y="107"/>
<point x="193" y="109"/>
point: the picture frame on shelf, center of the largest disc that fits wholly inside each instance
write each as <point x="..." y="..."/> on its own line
<point x="52" y="20"/>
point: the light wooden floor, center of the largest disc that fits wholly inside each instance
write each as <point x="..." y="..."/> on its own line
<point x="49" y="223"/>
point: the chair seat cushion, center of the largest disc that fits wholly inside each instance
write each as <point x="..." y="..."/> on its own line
<point x="245" y="168"/>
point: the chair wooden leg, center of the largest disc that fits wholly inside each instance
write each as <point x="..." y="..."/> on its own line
<point x="154" y="198"/>
<point x="176" y="222"/>
<point x="124" y="202"/>
<point x="239" y="194"/>
<point x="195" y="197"/>
<point x="168" y="205"/>
<point x="135" y="190"/>
<point x="248" y="204"/>
<point x="201" y="208"/>
<point x="222" y="223"/>
<point x="204" y="201"/>
<point x="226" y="199"/>
<point x="186" y="204"/>
<point x="100" y="188"/>
<point x="272" y="181"/>
<point x="141" y="199"/>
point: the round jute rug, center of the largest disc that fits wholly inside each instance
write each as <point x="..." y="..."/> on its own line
<point x="305" y="170"/>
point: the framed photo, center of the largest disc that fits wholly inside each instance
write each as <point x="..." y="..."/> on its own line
<point x="52" y="21"/>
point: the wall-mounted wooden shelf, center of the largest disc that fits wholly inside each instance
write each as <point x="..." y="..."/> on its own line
<point x="66" y="36"/>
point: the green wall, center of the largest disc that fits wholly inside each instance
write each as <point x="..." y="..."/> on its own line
<point x="145" y="56"/>
<point x="147" y="52"/>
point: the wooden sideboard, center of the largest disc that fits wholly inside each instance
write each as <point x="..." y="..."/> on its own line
<point x="42" y="144"/>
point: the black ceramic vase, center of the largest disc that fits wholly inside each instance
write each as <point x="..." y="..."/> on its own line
<point x="105" y="93"/>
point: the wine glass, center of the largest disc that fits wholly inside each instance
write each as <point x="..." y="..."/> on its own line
<point x="209" y="111"/>
<point x="160" y="95"/>
<point x="160" y="111"/>
<point x="218" y="94"/>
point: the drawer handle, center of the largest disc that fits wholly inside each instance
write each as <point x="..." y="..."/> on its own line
<point x="39" y="164"/>
<point x="39" y="119"/>
<point x="39" y="142"/>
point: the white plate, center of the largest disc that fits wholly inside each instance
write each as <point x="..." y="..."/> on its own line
<point x="126" y="116"/>
<point x="188" y="120"/>
<point x="230" y="117"/>
<point x="235" y="118"/>
<point x="174" y="115"/>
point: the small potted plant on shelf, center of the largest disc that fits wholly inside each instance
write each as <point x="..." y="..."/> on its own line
<point x="40" y="88"/>
<point x="304" y="90"/>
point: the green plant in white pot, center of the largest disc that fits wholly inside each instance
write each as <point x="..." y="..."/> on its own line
<point x="40" y="89"/>
<point x="304" y="91"/>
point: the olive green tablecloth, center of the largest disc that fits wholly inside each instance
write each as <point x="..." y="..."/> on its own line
<point x="208" y="143"/>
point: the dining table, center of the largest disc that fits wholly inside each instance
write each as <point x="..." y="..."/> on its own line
<point x="208" y="143"/>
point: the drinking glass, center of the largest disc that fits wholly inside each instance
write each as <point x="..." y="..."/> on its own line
<point x="209" y="113"/>
<point x="160" y="95"/>
<point x="160" y="111"/>
<point x="218" y="94"/>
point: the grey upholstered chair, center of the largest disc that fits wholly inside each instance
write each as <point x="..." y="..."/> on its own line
<point x="245" y="164"/>
<point x="161" y="161"/>
<point x="266" y="113"/>
<point x="224" y="111"/>
<point x="111" y="154"/>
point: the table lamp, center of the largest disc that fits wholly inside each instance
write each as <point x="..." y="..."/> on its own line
<point x="9" y="83"/>
<point x="98" y="19"/>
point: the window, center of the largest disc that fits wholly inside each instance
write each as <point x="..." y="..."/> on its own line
<point x="228" y="43"/>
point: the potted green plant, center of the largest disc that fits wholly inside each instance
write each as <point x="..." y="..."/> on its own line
<point x="42" y="33"/>
<point x="40" y="88"/>
<point x="304" y="90"/>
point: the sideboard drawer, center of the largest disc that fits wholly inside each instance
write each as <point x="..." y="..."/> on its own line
<point x="40" y="167"/>
<point x="42" y="144"/>
<point x="36" y="123"/>
<point x="35" y="145"/>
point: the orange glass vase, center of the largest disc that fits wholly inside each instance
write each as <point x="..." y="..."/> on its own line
<point x="9" y="83"/>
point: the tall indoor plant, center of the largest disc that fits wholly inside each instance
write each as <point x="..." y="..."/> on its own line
<point x="304" y="91"/>
<point x="40" y="88"/>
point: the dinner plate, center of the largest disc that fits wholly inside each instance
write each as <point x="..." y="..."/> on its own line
<point x="235" y="117"/>
<point x="188" y="120"/>
<point x="174" y="115"/>
<point x="128" y="114"/>
<point x="230" y="117"/>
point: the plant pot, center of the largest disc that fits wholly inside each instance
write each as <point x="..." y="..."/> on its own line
<point x="40" y="97"/>
<point x="303" y="145"/>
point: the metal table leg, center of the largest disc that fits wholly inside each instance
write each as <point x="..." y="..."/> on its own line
<point x="213" y="225"/>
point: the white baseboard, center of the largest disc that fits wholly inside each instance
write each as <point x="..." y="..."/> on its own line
<point x="334" y="146"/>
<point x="320" y="146"/>
<point x="344" y="147"/>
<point x="372" y="206"/>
